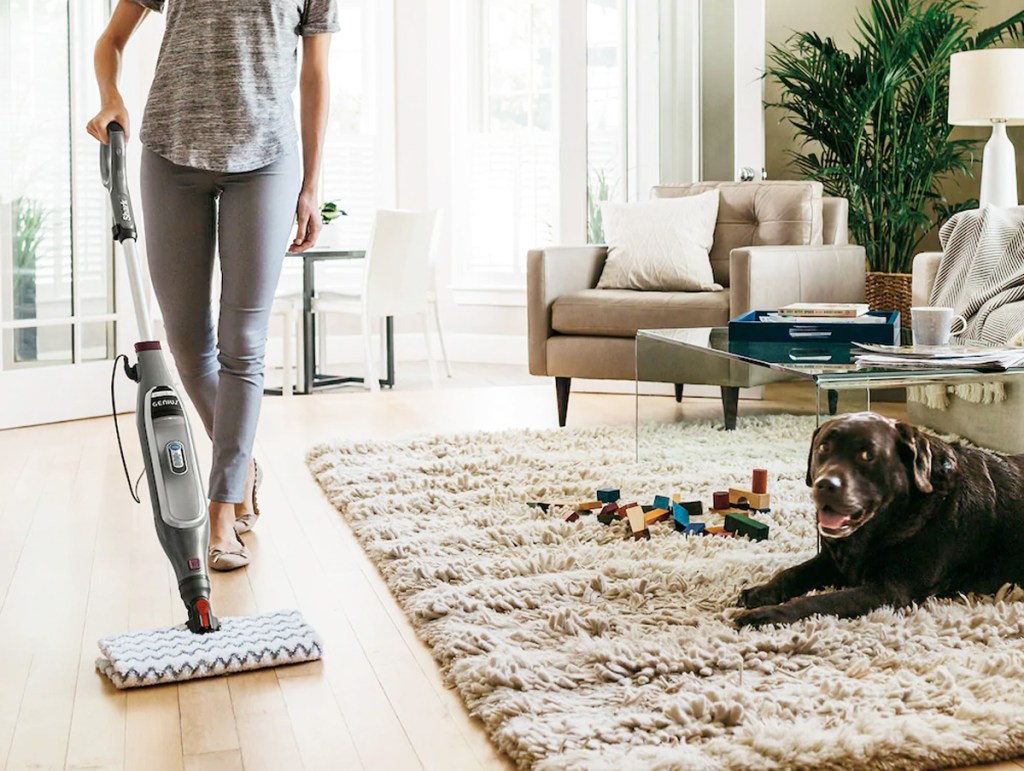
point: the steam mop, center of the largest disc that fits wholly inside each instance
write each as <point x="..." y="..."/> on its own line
<point x="205" y="645"/>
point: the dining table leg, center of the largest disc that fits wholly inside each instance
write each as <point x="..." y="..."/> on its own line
<point x="308" y="330"/>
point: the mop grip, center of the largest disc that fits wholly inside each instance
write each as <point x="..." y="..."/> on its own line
<point x="113" y="167"/>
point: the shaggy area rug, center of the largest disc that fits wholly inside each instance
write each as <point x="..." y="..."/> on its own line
<point x="578" y="648"/>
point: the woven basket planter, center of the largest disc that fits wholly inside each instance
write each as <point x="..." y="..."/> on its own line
<point x="890" y="292"/>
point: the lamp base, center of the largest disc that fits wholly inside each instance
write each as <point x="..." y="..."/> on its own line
<point x="999" y="170"/>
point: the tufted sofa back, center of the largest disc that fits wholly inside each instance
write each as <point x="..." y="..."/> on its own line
<point x="760" y="214"/>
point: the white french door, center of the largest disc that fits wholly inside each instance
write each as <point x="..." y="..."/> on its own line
<point x="59" y="328"/>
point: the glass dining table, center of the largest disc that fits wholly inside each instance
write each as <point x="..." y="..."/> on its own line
<point x="311" y="378"/>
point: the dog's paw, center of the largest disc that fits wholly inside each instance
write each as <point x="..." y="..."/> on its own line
<point x="758" y="596"/>
<point x="769" y="614"/>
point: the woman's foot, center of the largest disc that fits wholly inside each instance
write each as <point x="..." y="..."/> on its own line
<point x="248" y="511"/>
<point x="227" y="552"/>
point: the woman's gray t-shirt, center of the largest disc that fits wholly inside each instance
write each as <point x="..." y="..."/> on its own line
<point x="221" y="98"/>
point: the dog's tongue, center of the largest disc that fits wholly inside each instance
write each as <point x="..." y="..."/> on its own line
<point x="831" y="519"/>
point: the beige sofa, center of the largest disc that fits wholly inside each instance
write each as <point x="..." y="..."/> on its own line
<point x="996" y="426"/>
<point x="775" y="243"/>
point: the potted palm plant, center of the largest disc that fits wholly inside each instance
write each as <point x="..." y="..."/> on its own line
<point x="871" y="124"/>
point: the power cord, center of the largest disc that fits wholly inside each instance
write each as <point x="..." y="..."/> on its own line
<point x="132" y="374"/>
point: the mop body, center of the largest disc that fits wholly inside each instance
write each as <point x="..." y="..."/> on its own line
<point x="175" y="654"/>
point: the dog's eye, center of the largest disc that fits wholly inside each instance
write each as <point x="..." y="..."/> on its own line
<point x="866" y="455"/>
<point x="822" y="447"/>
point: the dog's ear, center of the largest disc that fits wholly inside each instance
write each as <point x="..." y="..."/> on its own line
<point x="810" y="453"/>
<point x="916" y="450"/>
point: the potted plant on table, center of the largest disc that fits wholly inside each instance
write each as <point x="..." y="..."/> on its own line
<point x="872" y="125"/>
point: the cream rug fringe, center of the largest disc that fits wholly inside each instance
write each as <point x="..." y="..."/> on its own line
<point x="938" y="397"/>
<point x="579" y="649"/>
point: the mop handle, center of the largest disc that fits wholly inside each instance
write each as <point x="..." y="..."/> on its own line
<point x="113" y="170"/>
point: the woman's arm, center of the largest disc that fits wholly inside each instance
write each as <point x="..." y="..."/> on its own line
<point x="125" y="20"/>
<point x="314" y="99"/>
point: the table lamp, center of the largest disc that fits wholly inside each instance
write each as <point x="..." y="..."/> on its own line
<point x="986" y="88"/>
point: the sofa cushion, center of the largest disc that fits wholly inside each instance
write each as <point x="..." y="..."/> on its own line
<point x="661" y="244"/>
<point x="621" y="312"/>
<point x="757" y="214"/>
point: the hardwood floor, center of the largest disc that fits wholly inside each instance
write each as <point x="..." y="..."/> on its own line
<point x="79" y="560"/>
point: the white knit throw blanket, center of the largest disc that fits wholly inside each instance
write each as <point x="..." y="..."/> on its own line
<point x="981" y="276"/>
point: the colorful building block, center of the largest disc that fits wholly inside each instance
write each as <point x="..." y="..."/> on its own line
<point x="610" y="508"/>
<point x="759" y="484"/>
<point x="607" y="519"/>
<point x="608" y="494"/>
<point x="720" y="499"/>
<point x="572" y="516"/>
<point x="744" y="525"/>
<point x="681" y="515"/>
<point x="636" y="518"/>
<point x="643" y="535"/>
<point x="662" y="502"/>
<point x="717" y="531"/>
<point x="748" y="499"/>
<point x="589" y="505"/>
<point x="657" y="515"/>
<point x="694" y="528"/>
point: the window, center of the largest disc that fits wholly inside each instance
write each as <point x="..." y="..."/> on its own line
<point x="356" y="149"/>
<point x="539" y="116"/>
<point x="56" y="266"/>
<point x="606" y="110"/>
<point x="505" y="175"/>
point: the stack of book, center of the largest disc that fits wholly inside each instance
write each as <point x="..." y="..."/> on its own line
<point x="810" y="312"/>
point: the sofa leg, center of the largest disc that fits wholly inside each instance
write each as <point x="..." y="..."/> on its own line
<point x="679" y="392"/>
<point x="730" y="405"/>
<point x="562" y="391"/>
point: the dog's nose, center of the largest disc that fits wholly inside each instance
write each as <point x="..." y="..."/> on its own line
<point x="828" y="484"/>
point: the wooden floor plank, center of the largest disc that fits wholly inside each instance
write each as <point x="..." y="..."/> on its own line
<point x="262" y="721"/>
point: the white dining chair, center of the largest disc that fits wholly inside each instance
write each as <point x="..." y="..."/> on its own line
<point x="398" y="280"/>
<point x="289" y="309"/>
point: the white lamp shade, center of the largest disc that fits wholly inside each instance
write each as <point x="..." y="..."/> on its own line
<point x="986" y="87"/>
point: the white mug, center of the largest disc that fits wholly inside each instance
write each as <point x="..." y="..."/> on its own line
<point x="934" y="325"/>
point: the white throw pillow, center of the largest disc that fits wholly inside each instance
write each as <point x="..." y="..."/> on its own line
<point x="661" y="244"/>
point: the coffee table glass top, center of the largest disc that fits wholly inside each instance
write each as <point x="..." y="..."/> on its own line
<point x="829" y="365"/>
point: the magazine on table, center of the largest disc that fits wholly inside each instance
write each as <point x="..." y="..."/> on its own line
<point x="927" y="356"/>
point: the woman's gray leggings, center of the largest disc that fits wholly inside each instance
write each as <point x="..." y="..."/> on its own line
<point x="188" y="213"/>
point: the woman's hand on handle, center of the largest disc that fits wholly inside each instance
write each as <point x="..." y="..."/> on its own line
<point x="123" y="22"/>
<point x="309" y="223"/>
<point x="109" y="112"/>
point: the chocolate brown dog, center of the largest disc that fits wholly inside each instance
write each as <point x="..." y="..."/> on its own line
<point x="903" y="516"/>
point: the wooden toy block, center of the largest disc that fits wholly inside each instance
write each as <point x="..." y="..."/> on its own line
<point x="607" y="519"/>
<point x="610" y="508"/>
<point x="694" y="528"/>
<point x="693" y="508"/>
<point x="657" y="515"/>
<point x="681" y="515"/>
<point x="720" y="499"/>
<point x="545" y="506"/>
<point x="647" y="508"/>
<point x="662" y="502"/>
<point x="608" y="494"/>
<point x="572" y="516"/>
<point x="759" y="484"/>
<point x="744" y="525"/>
<point x="730" y="510"/>
<point x="643" y="535"/>
<point x="624" y="507"/>
<point x="717" y="531"/>
<point x="677" y="498"/>
<point x="635" y="516"/>
<point x="748" y="499"/>
<point x="589" y="505"/>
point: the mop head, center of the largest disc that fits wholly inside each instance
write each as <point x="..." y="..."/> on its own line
<point x="244" y="642"/>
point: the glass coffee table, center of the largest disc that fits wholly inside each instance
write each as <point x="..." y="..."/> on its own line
<point x="706" y="356"/>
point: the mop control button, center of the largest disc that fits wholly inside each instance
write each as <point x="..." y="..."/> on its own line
<point x="176" y="456"/>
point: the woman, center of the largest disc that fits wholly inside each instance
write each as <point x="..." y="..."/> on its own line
<point x="220" y="170"/>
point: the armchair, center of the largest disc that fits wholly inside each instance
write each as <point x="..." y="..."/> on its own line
<point x="775" y="243"/>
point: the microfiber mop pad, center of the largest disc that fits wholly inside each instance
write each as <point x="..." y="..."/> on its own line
<point x="170" y="655"/>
